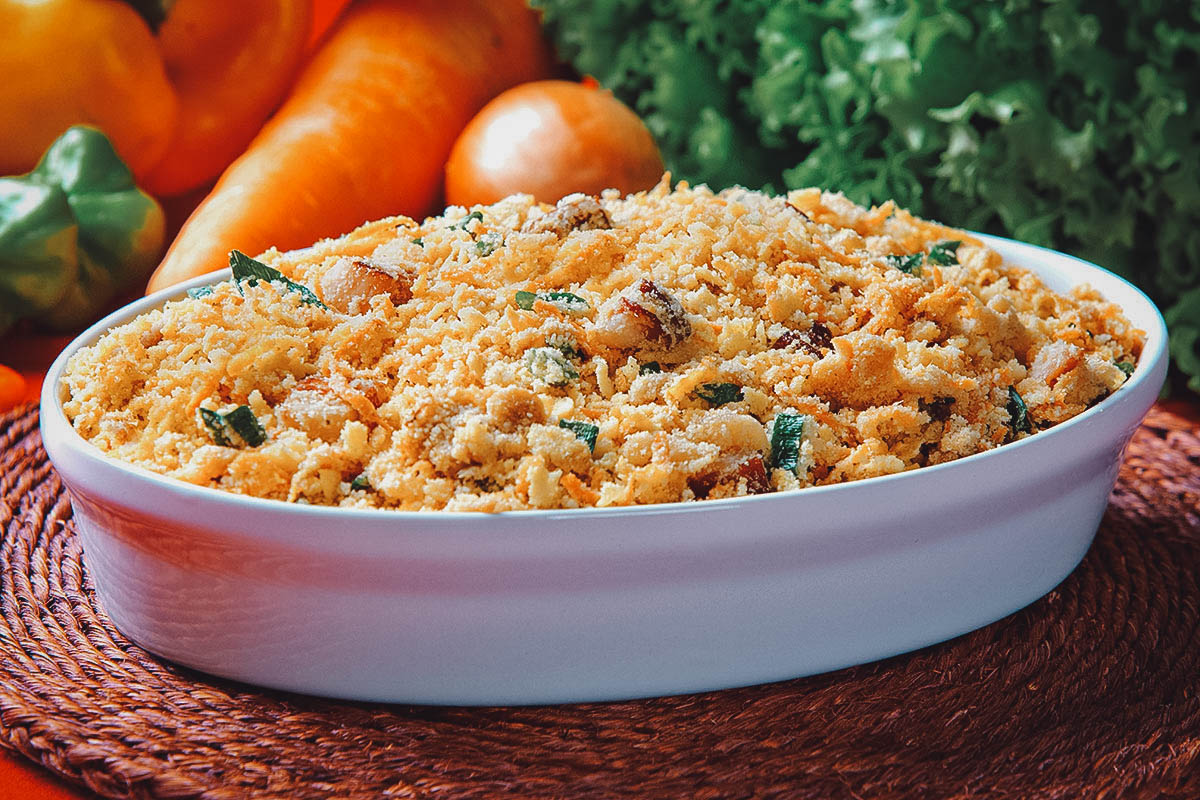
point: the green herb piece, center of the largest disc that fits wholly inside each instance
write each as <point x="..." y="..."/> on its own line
<point x="360" y="482"/>
<point x="240" y="421"/>
<point x="649" y="368"/>
<point x="549" y="365"/>
<point x="216" y="427"/>
<point x="567" y="302"/>
<point x="718" y="394"/>
<point x="488" y="244"/>
<point x="910" y="263"/>
<point x="785" y="440"/>
<point x="1126" y="367"/>
<point x="465" y="221"/>
<point x="944" y="253"/>
<point x="248" y="270"/>
<point x="246" y="425"/>
<point x="419" y="242"/>
<point x="1018" y="413"/>
<point x="584" y="431"/>
<point x="200" y="291"/>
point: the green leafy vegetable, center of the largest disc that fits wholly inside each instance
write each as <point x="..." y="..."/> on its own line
<point x="525" y="300"/>
<point x="360" y="482"/>
<point x="1126" y="367"/>
<point x="910" y="263"/>
<point x="1018" y="413"/>
<point x="718" y="394"/>
<point x="419" y="242"/>
<point x="1078" y="131"/>
<point x="585" y="431"/>
<point x="944" y="253"/>
<point x="649" y="368"/>
<point x="248" y="270"/>
<point x="786" y="434"/>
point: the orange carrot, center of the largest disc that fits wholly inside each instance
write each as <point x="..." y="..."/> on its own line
<point x="367" y="129"/>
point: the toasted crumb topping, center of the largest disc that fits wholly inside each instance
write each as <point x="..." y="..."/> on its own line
<point x="669" y="346"/>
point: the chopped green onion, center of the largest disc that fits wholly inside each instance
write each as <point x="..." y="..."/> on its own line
<point x="488" y="244"/>
<point x="240" y="421"/>
<point x="1018" y="413"/>
<point x="419" y="242"/>
<point x="910" y="264"/>
<point x="465" y="221"/>
<point x="549" y="365"/>
<point x="360" y="482"/>
<point x="216" y="427"/>
<point x="200" y="291"/>
<point x="785" y="440"/>
<point x="567" y="302"/>
<point x="584" y="431"/>
<point x="252" y="271"/>
<point x="718" y="394"/>
<point x="649" y="368"/>
<point x="1126" y="367"/>
<point x="944" y="253"/>
<point x="246" y="425"/>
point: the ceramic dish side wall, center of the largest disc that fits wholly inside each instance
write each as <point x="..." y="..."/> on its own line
<point x="554" y="606"/>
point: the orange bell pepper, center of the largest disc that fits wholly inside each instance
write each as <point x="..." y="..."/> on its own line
<point x="178" y="104"/>
<point x="12" y="388"/>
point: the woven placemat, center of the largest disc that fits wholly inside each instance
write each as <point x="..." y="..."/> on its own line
<point x="1092" y="692"/>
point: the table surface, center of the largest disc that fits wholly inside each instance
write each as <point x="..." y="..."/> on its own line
<point x="21" y="778"/>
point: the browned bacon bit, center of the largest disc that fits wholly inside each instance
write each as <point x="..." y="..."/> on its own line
<point x="575" y="212"/>
<point x="755" y="472"/>
<point x="728" y="475"/>
<point x="643" y="314"/>
<point x="812" y="341"/>
<point x="350" y="284"/>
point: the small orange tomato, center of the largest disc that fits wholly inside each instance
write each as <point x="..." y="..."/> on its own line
<point x="12" y="388"/>
<point x="548" y="139"/>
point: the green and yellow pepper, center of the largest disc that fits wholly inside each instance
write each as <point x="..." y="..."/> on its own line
<point x="74" y="233"/>
<point x="179" y="103"/>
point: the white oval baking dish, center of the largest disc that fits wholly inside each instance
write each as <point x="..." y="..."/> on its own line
<point x="595" y="604"/>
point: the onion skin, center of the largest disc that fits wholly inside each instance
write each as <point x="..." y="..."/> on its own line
<point x="549" y="139"/>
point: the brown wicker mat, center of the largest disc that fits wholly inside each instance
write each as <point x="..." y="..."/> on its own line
<point x="1092" y="692"/>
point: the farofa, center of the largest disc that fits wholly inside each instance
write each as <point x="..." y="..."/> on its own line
<point x="431" y="383"/>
